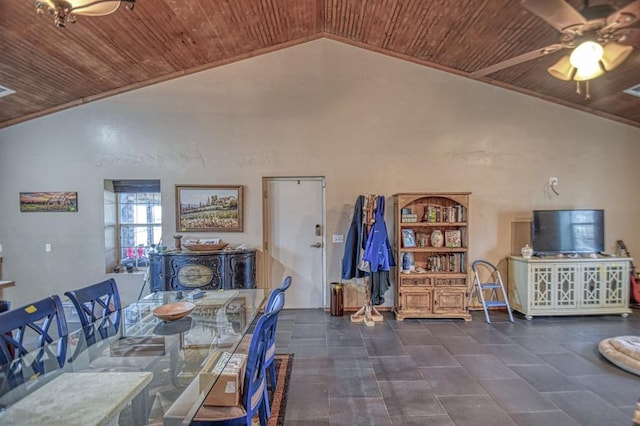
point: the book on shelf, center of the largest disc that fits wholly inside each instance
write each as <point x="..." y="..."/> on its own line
<point x="463" y="237"/>
<point x="431" y="214"/>
<point x="450" y="214"/>
<point x="453" y="263"/>
<point x="409" y="218"/>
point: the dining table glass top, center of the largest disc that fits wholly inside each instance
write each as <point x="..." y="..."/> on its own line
<point x="176" y="352"/>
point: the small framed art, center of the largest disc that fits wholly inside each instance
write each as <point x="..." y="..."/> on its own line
<point x="452" y="238"/>
<point x="48" y="201"/>
<point x="408" y="238"/>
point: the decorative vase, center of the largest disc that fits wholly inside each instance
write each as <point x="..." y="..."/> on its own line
<point x="437" y="239"/>
<point x="406" y="263"/>
<point x="526" y="251"/>
<point x="178" y="240"/>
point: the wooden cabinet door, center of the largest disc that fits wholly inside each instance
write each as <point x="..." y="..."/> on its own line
<point x="415" y="301"/>
<point x="449" y="301"/>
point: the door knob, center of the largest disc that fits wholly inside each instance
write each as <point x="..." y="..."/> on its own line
<point x="316" y="245"/>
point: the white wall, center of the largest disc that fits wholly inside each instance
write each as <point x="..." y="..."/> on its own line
<point x="368" y="122"/>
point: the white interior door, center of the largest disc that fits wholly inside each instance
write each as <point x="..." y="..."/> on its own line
<point x="295" y="239"/>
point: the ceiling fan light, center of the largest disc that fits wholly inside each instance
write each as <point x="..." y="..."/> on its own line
<point x="588" y="73"/>
<point x="614" y="54"/>
<point x="562" y="70"/>
<point x="84" y="7"/>
<point x="586" y="54"/>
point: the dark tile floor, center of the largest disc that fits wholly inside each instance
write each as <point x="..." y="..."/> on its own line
<point x="450" y="372"/>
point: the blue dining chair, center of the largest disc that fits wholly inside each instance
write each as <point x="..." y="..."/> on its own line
<point x="271" y="350"/>
<point x="253" y="395"/>
<point x="98" y="307"/>
<point x="286" y="283"/>
<point x="40" y="328"/>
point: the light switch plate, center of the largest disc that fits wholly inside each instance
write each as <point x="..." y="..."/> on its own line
<point x="338" y="238"/>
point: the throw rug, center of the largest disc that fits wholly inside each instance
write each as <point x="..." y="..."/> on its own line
<point x="278" y="397"/>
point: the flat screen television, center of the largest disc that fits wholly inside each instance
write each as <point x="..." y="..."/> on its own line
<point x="567" y="231"/>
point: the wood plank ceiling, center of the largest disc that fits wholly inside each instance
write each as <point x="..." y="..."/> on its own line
<point x="51" y="69"/>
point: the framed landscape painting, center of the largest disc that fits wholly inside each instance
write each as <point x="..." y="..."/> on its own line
<point x="48" y="201"/>
<point x="209" y="208"/>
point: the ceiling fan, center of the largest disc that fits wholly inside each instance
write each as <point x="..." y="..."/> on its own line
<point x="601" y="36"/>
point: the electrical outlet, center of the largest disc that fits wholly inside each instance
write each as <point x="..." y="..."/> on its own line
<point x="553" y="181"/>
<point x="47" y="247"/>
<point x="0" y="248"/>
<point x="338" y="238"/>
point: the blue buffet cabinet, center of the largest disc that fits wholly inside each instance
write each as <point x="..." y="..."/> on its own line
<point x="206" y="270"/>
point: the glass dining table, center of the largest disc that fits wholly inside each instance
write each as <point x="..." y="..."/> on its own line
<point x="150" y="372"/>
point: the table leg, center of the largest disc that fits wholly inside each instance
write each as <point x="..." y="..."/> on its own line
<point x="140" y="407"/>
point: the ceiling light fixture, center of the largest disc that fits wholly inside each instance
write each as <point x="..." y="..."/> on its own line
<point x="590" y="60"/>
<point x="587" y="55"/>
<point x="64" y="11"/>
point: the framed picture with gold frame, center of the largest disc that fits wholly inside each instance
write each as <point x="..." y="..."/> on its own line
<point x="209" y="208"/>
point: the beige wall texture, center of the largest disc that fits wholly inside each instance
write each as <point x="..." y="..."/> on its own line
<point x="365" y="121"/>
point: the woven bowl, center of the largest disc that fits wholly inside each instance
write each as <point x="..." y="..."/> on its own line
<point x="173" y="311"/>
<point x="204" y="247"/>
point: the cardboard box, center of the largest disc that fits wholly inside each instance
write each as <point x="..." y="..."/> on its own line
<point x="228" y="375"/>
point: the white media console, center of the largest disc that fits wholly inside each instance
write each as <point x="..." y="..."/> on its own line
<point x="569" y="285"/>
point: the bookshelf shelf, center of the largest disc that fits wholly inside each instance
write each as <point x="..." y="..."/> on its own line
<point x="434" y="250"/>
<point x="431" y="224"/>
<point x="418" y="274"/>
<point x="436" y="244"/>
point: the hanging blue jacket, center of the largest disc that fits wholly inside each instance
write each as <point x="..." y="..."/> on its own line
<point x="354" y="243"/>
<point x="378" y="249"/>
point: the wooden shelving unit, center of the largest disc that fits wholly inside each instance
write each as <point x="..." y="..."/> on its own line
<point x="436" y="284"/>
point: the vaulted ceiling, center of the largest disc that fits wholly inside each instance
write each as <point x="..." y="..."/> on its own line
<point x="51" y="69"/>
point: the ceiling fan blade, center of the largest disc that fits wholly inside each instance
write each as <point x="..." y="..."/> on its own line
<point x="517" y="60"/>
<point x="624" y="17"/>
<point x="628" y="36"/>
<point x="557" y="13"/>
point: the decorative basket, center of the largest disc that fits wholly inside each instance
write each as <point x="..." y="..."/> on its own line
<point x="197" y="246"/>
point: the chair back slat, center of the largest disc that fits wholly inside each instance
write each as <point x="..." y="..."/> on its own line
<point x="98" y="307"/>
<point x="33" y="340"/>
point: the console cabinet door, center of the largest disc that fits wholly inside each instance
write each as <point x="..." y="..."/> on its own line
<point x="190" y="272"/>
<point x="415" y="301"/>
<point x="566" y="286"/>
<point x="615" y="284"/>
<point x="541" y="287"/>
<point x="242" y="271"/>
<point x="448" y="301"/>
